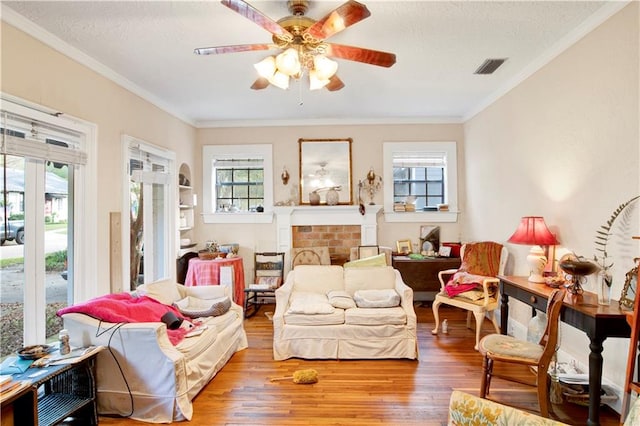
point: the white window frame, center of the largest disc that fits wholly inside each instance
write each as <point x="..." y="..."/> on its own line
<point x="170" y="224"/>
<point x="449" y="151"/>
<point x="211" y="153"/>
<point x="85" y="220"/>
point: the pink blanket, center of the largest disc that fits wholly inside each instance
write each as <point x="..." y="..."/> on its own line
<point x="122" y="307"/>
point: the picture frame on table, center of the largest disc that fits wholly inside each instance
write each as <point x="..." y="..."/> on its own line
<point x="444" y="251"/>
<point x="403" y="246"/>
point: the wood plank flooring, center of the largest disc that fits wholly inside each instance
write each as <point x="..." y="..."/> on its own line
<point x="361" y="392"/>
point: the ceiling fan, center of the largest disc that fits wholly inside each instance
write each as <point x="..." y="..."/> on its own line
<point x="302" y="42"/>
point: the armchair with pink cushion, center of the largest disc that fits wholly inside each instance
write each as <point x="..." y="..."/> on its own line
<point x="474" y="286"/>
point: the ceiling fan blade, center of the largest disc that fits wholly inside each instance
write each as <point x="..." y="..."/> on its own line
<point x="334" y="84"/>
<point x="260" y="83"/>
<point x="231" y="49"/>
<point x="337" y="20"/>
<point x="253" y="14"/>
<point x="360" y="54"/>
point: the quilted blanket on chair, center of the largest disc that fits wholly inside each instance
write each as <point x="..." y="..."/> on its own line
<point x="123" y="307"/>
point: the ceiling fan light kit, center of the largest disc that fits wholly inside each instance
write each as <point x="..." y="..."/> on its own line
<point x="304" y="50"/>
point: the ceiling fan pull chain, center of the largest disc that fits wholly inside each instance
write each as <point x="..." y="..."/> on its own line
<point x="300" y="100"/>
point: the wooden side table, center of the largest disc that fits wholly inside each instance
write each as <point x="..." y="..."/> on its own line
<point x="422" y="274"/>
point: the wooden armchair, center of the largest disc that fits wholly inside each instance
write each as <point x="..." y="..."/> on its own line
<point x="508" y="349"/>
<point x="481" y="263"/>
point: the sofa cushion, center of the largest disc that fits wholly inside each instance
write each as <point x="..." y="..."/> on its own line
<point x="309" y="303"/>
<point x="385" y="298"/>
<point x="341" y="299"/>
<point x="194" y="307"/>
<point x="375" y="316"/>
<point x="318" y="278"/>
<point x="370" y="278"/>
<point x="336" y="318"/>
<point x="165" y="291"/>
<point x="377" y="260"/>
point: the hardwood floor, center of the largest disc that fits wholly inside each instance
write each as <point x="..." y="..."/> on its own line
<point x="361" y="392"/>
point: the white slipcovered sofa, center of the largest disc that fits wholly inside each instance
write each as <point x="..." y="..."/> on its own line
<point x="303" y="326"/>
<point x="142" y="375"/>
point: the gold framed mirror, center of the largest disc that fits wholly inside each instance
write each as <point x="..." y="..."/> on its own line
<point x="325" y="167"/>
<point x="629" y="289"/>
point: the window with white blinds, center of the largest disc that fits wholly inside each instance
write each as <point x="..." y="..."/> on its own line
<point x="422" y="174"/>
<point x="25" y="136"/>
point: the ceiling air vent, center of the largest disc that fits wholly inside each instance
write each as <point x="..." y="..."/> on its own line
<point x="489" y="66"/>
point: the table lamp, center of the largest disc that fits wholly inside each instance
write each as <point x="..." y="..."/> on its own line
<point x="534" y="232"/>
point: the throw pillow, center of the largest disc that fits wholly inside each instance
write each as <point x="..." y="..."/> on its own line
<point x="195" y="308"/>
<point x="481" y="258"/>
<point x="165" y="292"/>
<point x="302" y="302"/>
<point x="271" y="282"/>
<point x="385" y="298"/>
<point x="340" y="299"/>
<point x="377" y="260"/>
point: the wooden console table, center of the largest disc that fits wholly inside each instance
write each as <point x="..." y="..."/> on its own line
<point x="579" y="311"/>
<point x="422" y="274"/>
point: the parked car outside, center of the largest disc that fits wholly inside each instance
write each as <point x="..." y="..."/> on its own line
<point x="14" y="231"/>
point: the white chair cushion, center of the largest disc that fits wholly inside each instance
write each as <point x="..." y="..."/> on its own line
<point x="165" y="292"/>
<point x="375" y="316"/>
<point x="318" y="278"/>
<point x="385" y="298"/>
<point x="341" y="299"/>
<point x="369" y="278"/>
<point x="308" y="303"/>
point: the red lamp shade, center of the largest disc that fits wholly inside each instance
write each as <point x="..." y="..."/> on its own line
<point x="534" y="232"/>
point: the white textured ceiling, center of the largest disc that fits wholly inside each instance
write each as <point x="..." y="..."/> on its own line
<point x="148" y="47"/>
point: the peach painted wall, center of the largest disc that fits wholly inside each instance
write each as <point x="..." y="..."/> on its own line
<point x="564" y="144"/>
<point x="366" y="153"/>
<point x="35" y="72"/>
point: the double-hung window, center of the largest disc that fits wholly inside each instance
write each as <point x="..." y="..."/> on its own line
<point x="423" y="174"/>
<point x="237" y="183"/>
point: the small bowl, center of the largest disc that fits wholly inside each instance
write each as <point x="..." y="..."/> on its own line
<point x="35" y="351"/>
<point x="578" y="267"/>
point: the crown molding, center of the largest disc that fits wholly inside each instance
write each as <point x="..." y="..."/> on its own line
<point x="330" y="122"/>
<point x="591" y="23"/>
<point x="13" y="18"/>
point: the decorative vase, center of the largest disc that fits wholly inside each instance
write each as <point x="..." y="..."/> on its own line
<point x="332" y="197"/>
<point x="605" y="280"/>
<point x="314" y="198"/>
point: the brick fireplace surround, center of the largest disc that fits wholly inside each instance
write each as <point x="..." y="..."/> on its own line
<point x="336" y="227"/>
<point x="338" y="238"/>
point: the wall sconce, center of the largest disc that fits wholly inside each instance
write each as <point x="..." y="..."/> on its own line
<point x="372" y="185"/>
<point x="284" y="176"/>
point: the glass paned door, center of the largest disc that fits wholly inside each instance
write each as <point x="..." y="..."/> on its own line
<point x="150" y="218"/>
<point x="36" y="229"/>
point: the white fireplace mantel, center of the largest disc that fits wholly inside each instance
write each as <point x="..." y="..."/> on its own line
<point x="289" y="216"/>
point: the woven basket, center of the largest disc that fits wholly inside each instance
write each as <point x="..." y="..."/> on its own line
<point x="210" y="255"/>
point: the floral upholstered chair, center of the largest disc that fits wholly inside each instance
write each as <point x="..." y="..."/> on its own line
<point x="467" y="409"/>
<point x="474" y="286"/>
